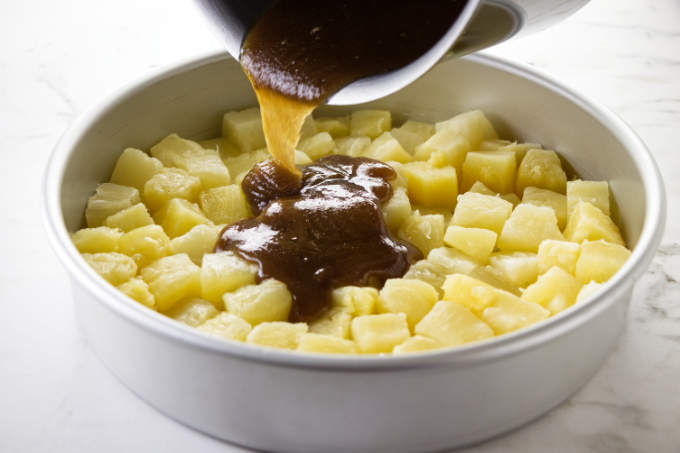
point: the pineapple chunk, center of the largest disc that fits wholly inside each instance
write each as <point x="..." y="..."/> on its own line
<point x="414" y="298"/>
<point x="452" y="261"/>
<point x="451" y="324"/>
<point x="511" y="313"/>
<point x="593" y="192"/>
<point x="107" y="200"/>
<point x="493" y="145"/>
<point x="351" y="146"/>
<point x="222" y="273"/>
<point x="520" y="149"/>
<point x="371" y="123"/>
<point x="473" y="125"/>
<point x="379" y="333"/>
<point x="397" y="210"/>
<point x="416" y="344"/>
<point x="479" y="187"/>
<point x="308" y="127"/>
<point x="173" y="150"/>
<point x="470" y="292"/>
<point x="145" y="244"/>
<point x="527" y="226"/>
<point x="326" y="344"/>
<point x="113" y="267"/>
<point x="476" y="210"/>
<point x="550" y="199"/>
<point x="241" y="164"/>
<point x="334" y="322"/>
<point x="267" y="301"/>
<point x="599" y="260"/>
<point x="244" y="129"/>
<point x="426" y="232"/>
<point x="444" y="212"/>
<point x="427" y="272"/>
<point x="555" y="290"/>
<point x="222" y="145"/>
<point x="558" y="253"/>
<point x="226" y="326"/>
<point x="134" y="168"/>
<point x="171" y="279"/>
<point x="444" y="148"/>
<point x="178" y="216"/>
<point x="168" y="184"/>
<point x="511" y="198"/>
<point x="317" y="146"/>
<point x="387" y="148"/>
<point x="475" y="242"/>
<point x="586" y="222"/>
<point x="196" y="242"/>
<point x="99" y="239"/>
<point x="421" y="129"/>
<point x="301" y="158"/>
<point x="588" y="290"/>
<point x="496" y="169"/>
<point x="429" y="186"/>
<point x="225" y="205"/>
<point x="543" y="169"/>
<point x="519" y="268"/>
<point x="336" y="126"/>
<point x="130" y="218"/>
<point x="410" y="136"/>
<point x="355" y="300"/>
<point x="192" y="312"/>
<point x="138" y="290"/>
<point x="281" y="335"/>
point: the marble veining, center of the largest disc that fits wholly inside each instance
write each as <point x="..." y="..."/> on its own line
<point x="57" y="396"/>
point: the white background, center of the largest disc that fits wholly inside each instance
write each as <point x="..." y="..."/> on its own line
<point x="58" y="58"/>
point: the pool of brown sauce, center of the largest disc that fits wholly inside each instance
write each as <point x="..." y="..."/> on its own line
<point x="320" y="226"/>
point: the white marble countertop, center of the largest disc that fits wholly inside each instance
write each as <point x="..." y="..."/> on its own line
<point x="58" y="58"/>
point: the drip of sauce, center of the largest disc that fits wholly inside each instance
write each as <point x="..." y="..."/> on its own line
<point x="322" y="232"/>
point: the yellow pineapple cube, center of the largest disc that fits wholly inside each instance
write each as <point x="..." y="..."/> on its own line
<point x="173" y="150"/>
<point x="493" y="145"/>
<point x="473" y="125"/>
<point x="317" y="146"/>
<point x="586" y="222"/>
<point x="178" y="216"/>
<point x="444" y="212"/>
<point x="240" y="164"/>
<point x="527" y="226"/>
<point x="452" y="261"/>
<point x="281" y="335"/>
<point x="427" y="272"/>
<point x="145" y="244"/>
<point x="475" y="210"/>
<point x="496" y="169"/>
<point x="475" y="242"/>
<point x="412" y="133"/>
<point x="222" y="145"/>
<point x="301" y="158"/>
<point x="588" y="290"/>
<point x="417" y="343"/>
<point x="196" y="242"/>
<point x="543" y="169"/>
<point x="426" y="232"/>
<point x="222" y="273"/>
<point x="452" y="324"/>
<point x="326" y="344"/>
<point x="429" y="186"/>
<point x="550" y="199"/>
<point x="192" y="312"/>
<point x="397" y="210"/>
<point x="379" y="333"/>
<point x="308" y="127"/>
<point x="444" y="148"/>
<point x="130" y="218"/>
<point x="226" y="326"/>
<point x="599" y="260"/>
<point x="494" y="277"/>
<point x="371" y="123"/>
<point x="558" y="253"/>
<point x="334" y="322"/>
<point x="268" y="301"/>
<point x="107" y="200"/>
<point x="355" y="300"/>
<point x="414" y="298"/>
<point x="520" y="149"/>
<point x="171" y="279"/>
<point x="508" y="314"/>
<point x="555" y="290"/>
<point x="479" y="187"/>
<point x="225" y="205"/>
<point x="138" y="290"/>
<point x="134" y="168"/>
<point x="336" y="126"/>
<point x="593" y="192"/>
<point x="113" y="267"/>
<point x="351" y="146"/>
<point x="168" y="184"/>
<point x="470" y="292"/>
<point x="387" y="148"/>
<point x="518" y="268"/>
<point x="510" y="198"/>
<point x="244" y="129"/>
<point x="98" y="239"/>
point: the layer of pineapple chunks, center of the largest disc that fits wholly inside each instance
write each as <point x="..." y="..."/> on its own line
<point x="493" y="263"/>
